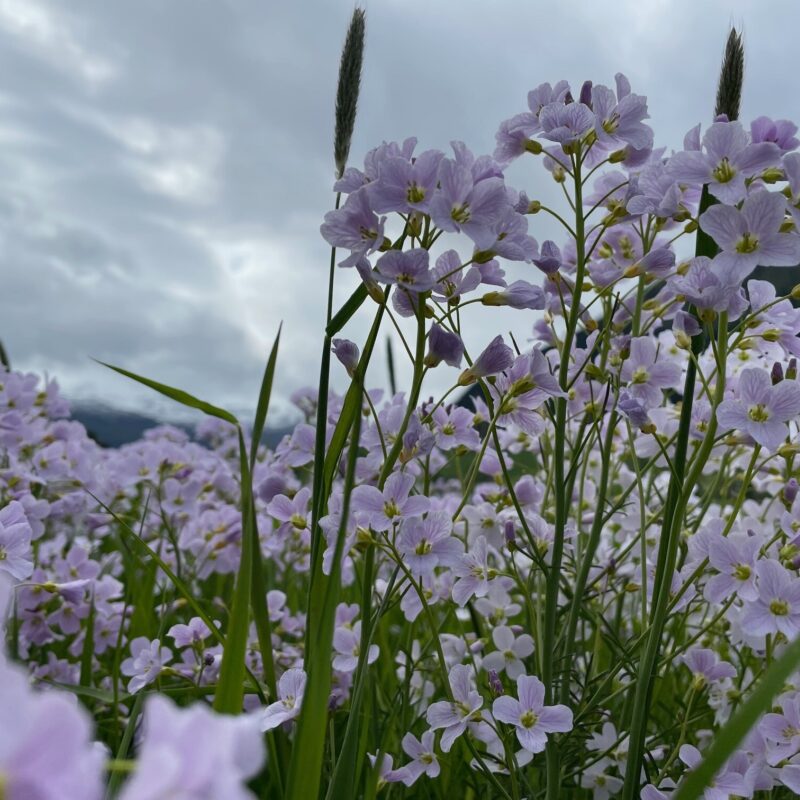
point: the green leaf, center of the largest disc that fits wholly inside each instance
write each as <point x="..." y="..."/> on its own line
<point x="88" y="648"/>
<point x="343" y="315"/>
<point x="263" y="399"/>
<point x="116" y="777"/>
<point x="305" y="768"/>
<point x="230" y="688"/>
<point x="739" y="725"/>
<point x="184" y="398"/>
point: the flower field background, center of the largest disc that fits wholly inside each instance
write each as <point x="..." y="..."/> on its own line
<point x="575" y="574"/>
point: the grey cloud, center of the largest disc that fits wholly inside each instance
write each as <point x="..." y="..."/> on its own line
<point x="164" y="167"/>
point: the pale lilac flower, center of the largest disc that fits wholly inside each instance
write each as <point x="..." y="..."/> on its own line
<point x="549" y="260"/>
<point x="603" y="785"/>
<point x="705" y="289"/>
<point x="406" y="268"/>
<point x="508" y="238"/>
<point x="443" y="346"/>
<point x="777" y="609"/>
<point x="781" y="132"/>
<point x="424" y="762"/>
<point x="355" y="227"/>
<point x="462" y="713"/>
<point x="735" y="559"/>
<point x="514" y="137"/>
<point x="729" y="159"/>
<point x="519" y="294"/>
<point x="474" y="573"/>
<point x="782" y="731"/>
<point x="760" y="409"/>
<point x="347" y="352"/>
<point x="510" y="652"/>
<point x="194" y="754"/>
<point x="566" y="124"/>
<point x="404" y="185"/>
<point x="609" y="741"/>
<point x="731" y="780"/>
<point x="291" y="511"/>
<point x="385" y="770"/>
<point x="147" y="660"/>
<point x="291" y="687"/>
<point x="532" y="719"/>
<point x="706" y="666"/>
<point x="16" y="556"/>
<point x="192" y="635"/>
<point x="647" y="374"/>
<point x="751" y="236"/>
<point x="428" y="543"/>
<point x="454" y="427"/>
<point x="619" y="123"/>
<point x="347" y="644"/>
<point x="463" y="203"/>
<point x="383" y="509"/>
<point x="495" y="358"/>
<point x="46" y="747"/>
<point x="633" y="409"/>
<point x="452" y="282"/>
<point x="657" y="193"/>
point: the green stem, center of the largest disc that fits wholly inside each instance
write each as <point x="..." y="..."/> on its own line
<point x="562" y="501"/>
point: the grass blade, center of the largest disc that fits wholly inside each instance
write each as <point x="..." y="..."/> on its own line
<point x="343" y="315"/>
<point x="305" y="768"/>
<point x="178" y="395"/>
<point x="88" y="648"/>
<point x="230" y="688"/>
<point x="263" y="400"/>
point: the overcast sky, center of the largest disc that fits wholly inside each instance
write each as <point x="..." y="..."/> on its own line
<point x="165" y="166"/>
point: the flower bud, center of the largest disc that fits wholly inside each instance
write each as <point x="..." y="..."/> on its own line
<point x="347" y="352"/>
<point x="495" y="358"/>
<point x="772" y="175"/>
<point x="532" y="146"/>
<point x="443" y="346"/>
<point x="509" y="533"/>
<point x="495" y="684"/>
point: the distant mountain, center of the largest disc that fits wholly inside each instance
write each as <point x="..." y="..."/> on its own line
<point x="112" y="428"/>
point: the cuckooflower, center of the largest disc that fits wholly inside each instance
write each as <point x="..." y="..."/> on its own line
<point x="532" y="719"/>
<point x="427" y="543"/>
<point x="194" y="754"/>
<point x="750" y="237"/>
<point x="15" y="541"/>
<point x="760" y="409"/>
<point x="291" y="686"/>
<point x="147" y="660"/>
<point x="727" y="161"/>
<point x="510" y="652"/>
<point x="463" y="712"/>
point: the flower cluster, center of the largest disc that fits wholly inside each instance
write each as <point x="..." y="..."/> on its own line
<point x="564" y="576"/>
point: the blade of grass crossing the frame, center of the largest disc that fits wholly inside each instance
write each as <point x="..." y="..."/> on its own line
<point x="343" y="315"/>
<point x="305" y="768"/>
<point x="351" y="409"/>
<point x="317" y="501"/>
<point x="258" y="596"/>
<point x="88" y="647"/>
<point x="230" y="688"/>
<point x="125" y="745"/>
<point x="263" y="400"/>
<point x="739" y="725"/>
<point x="178" y="395"/>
